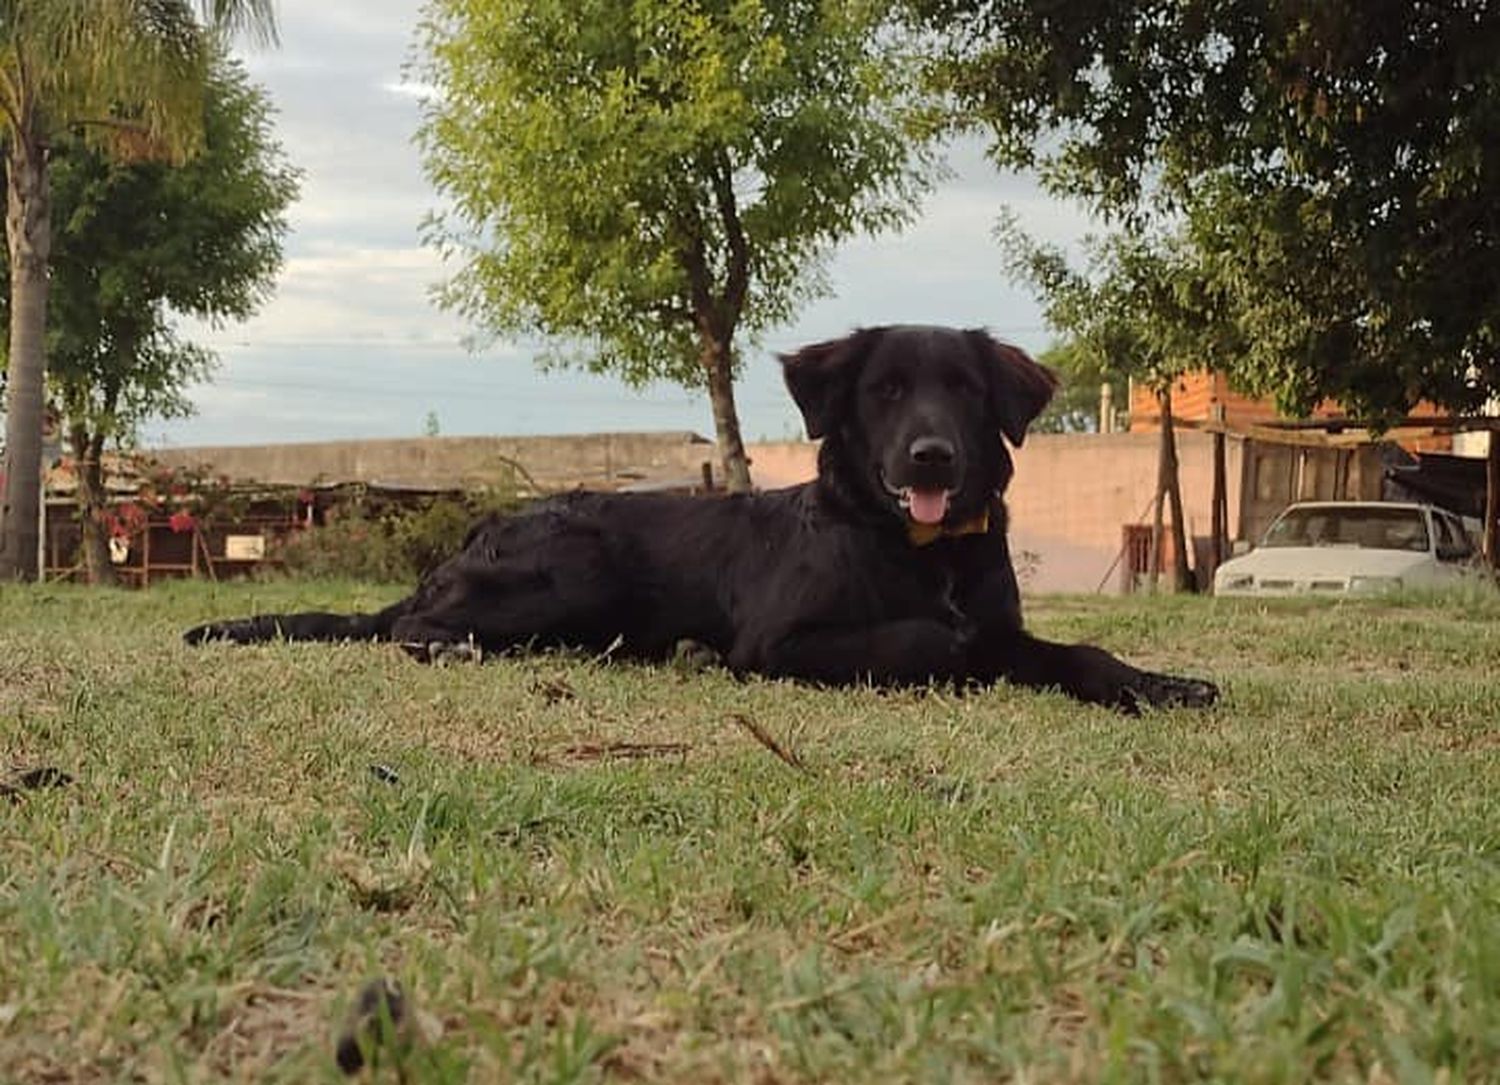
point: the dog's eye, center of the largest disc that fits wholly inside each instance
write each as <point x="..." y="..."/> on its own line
<point x="891" y="389"/>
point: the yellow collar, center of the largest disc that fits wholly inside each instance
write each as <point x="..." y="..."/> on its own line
<point x="922" y="534"/>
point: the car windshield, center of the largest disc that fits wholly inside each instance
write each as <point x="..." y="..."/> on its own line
<point x="1371" y="528"/>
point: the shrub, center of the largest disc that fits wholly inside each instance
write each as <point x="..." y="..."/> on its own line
<point x="364" y="542"/>
<point x="350" y="546"/>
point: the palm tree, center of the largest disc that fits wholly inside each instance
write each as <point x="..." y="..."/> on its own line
<point x="130" y="75"/>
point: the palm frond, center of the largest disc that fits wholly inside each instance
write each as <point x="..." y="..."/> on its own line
<point x="254" y="19"/>
<point x="121" y="64"/>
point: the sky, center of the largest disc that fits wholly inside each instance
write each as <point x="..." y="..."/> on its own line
<point x="352" y="346"/>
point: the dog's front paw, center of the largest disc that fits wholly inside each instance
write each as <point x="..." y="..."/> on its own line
<point x="693" y="657"/>
<point x="1172" y="691"/>
<point x="443" y="652"/>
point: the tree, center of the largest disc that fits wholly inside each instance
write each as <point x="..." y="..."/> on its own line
<point x="649" y="183"/>
<point x="129" y="74"/>
<point x="135" y="243"/>
<point x="1147" y="308"/>
<point x="1076" y="404"/>
<point x="1338" y="160"/>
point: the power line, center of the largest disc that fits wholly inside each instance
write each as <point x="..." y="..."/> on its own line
<point x="562" y="397"/>
<point x="459" y="347"/>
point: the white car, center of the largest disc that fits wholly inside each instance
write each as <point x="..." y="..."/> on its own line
<point x="1352" y="547"/>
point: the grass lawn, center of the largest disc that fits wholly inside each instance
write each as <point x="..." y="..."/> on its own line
<point x="583" y="872"/>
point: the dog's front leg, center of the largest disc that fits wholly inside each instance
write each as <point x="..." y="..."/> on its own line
<point x="908" y="652"/>
<point x="1085" y="672"/>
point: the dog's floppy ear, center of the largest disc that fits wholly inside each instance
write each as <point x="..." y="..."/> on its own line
<point x="1019" y="387"/>
<point x="820" y="376"/>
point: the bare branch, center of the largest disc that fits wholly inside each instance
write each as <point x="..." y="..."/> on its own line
<point x="737" y="281"/>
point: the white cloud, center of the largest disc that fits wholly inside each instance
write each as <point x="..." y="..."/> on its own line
<point x="422" y="92"/>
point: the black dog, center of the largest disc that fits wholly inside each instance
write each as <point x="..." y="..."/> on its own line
<point x="892" y="567"/>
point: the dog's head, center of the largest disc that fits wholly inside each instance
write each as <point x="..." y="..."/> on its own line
<point x="912" y="416"/>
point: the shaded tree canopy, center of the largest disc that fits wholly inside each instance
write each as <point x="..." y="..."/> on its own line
<point x="1074" y="407"/>
<point x="1337" y="164"/>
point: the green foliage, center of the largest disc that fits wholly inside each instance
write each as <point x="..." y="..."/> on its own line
<point x="1327" y="308"/>
<point x="1145" y="308"/>
<point x="1074" y="408"/>
<point x="430" y="534"/>
<point x="392" y="544"/>
<point x="135" y="243"/>
<point x="634" y="180"/>
<point x="1338" y="164"/>
<point x="129" y="75"/>
<point x="349" y="548"/>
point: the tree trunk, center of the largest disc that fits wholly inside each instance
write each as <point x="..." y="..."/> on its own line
<point x="1182" y="573"/>
<point x="1181" y="569"/>
<point x="717" y="360"/>
<point x="1169" y="490"/>
<point x="92" y="505"/>
<point x="1164" y="456"/>
<point x="28" y="233"/>
<point x="1158" y="533"/>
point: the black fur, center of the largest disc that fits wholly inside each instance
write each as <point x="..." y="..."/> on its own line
<point x="821" y="582"/>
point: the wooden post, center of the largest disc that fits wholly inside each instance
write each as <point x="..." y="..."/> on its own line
<point x="201" y="540"/>
<point x="1492" y="503"/>
<point x="1158" y="533"/>
<point x="1341" y="461"/>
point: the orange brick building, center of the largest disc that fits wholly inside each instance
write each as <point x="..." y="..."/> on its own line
<point x="1195" y="395"/>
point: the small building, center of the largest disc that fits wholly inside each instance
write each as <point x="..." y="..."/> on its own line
<point x="1202" y="397"/>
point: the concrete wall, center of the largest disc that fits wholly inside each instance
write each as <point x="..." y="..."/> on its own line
<point x="1074" y="493"/>
<point x="1071" y="497"/>
<point x="611" y="459"/>
<point x="774" y="464"/>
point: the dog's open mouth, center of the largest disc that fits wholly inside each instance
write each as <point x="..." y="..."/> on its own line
<point x="923" y="504"/>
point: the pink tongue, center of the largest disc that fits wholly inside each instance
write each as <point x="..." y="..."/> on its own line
<point x="928" y="506"/>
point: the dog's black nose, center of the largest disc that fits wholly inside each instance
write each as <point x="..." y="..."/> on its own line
<point x="932" y="452"/>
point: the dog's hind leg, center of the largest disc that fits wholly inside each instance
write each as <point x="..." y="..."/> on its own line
<point x="564" y="596"/>
<point x="309" y="625"/>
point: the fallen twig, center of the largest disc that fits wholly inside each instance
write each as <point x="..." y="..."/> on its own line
<point x="597" y="751"/>
<point x="766" y="739"/>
